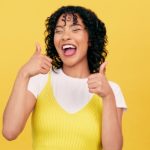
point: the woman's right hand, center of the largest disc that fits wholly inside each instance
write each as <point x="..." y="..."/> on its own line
<point x="37" y="64"/>
<point x="21" y="102"/>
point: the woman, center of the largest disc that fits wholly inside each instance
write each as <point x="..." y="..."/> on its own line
<point x="74" y="105"/>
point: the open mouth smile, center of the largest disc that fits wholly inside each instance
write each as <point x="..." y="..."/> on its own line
<point x="69" y="49"/>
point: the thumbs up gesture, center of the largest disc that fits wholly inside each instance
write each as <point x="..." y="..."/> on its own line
<point x="98" y="84"/>
<point x="37" y="64"/>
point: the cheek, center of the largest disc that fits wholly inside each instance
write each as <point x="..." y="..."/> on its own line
<point x="56" y="40"/>
<point x="56" y="44"/>
<point x="84" y="41"/>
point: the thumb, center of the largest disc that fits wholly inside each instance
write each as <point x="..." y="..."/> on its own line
<point x="38" y="48"/>
<point x="102" y="69"/>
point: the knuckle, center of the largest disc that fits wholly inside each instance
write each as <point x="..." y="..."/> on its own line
<point x="90" y="90"/>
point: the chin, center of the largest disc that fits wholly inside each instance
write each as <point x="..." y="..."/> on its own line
<point x="69" y="64"/>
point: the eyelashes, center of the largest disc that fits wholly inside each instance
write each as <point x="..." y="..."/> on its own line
<point x="72" y="30"/>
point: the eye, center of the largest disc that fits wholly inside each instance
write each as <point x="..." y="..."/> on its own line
<point x="76" y="29"/>
<point x="59" y="31"/>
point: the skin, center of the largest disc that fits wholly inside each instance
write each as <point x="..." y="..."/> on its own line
<point x="97" y="82"/>
<point x="21" y="102"/>
<point x="77" y="35"/>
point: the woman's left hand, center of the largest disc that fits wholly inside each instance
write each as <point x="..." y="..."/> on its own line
<point x="98" y="84"/>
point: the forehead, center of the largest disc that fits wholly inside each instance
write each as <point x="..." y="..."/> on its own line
<point x="69" y="19"/>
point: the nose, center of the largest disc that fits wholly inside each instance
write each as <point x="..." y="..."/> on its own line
<point x="66" y="36"/>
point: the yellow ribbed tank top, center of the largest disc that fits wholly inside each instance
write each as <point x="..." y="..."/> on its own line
<point x="55" y="129"/>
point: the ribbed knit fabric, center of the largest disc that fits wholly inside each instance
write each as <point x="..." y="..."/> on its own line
<point x="55" y="129"/>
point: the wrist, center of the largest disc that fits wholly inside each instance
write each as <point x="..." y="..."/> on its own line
<point x="24" y="73"/>
<point x="109" y="101"/>
<point x="109" y="96"/>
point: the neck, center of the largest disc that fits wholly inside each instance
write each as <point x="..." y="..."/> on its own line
<point x="77" y="71"/>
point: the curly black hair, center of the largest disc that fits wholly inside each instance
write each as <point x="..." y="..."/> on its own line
<point x="97" y="36"/>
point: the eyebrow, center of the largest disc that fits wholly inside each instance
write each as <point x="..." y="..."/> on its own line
<point x="59" y="26"/>
<point x="76" y="25"/>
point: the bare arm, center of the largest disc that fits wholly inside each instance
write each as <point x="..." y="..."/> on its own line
<point x="111" y="116"/>
<point x="21" y="102"/>
<point x="111" y="125"/>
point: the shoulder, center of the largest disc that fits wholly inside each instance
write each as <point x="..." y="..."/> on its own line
<point x="39" y="78"/>
<point x="114" y="85"/>
<point x="37" y="83"/>
<point x="119" y="97"/>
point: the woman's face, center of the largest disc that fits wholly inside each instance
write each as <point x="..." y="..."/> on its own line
<point x="71" y="41"/>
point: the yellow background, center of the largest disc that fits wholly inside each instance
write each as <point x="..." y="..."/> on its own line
<point x="128" y="26"/>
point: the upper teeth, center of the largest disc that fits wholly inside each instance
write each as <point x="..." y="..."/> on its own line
<point x="68" y="46"/>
